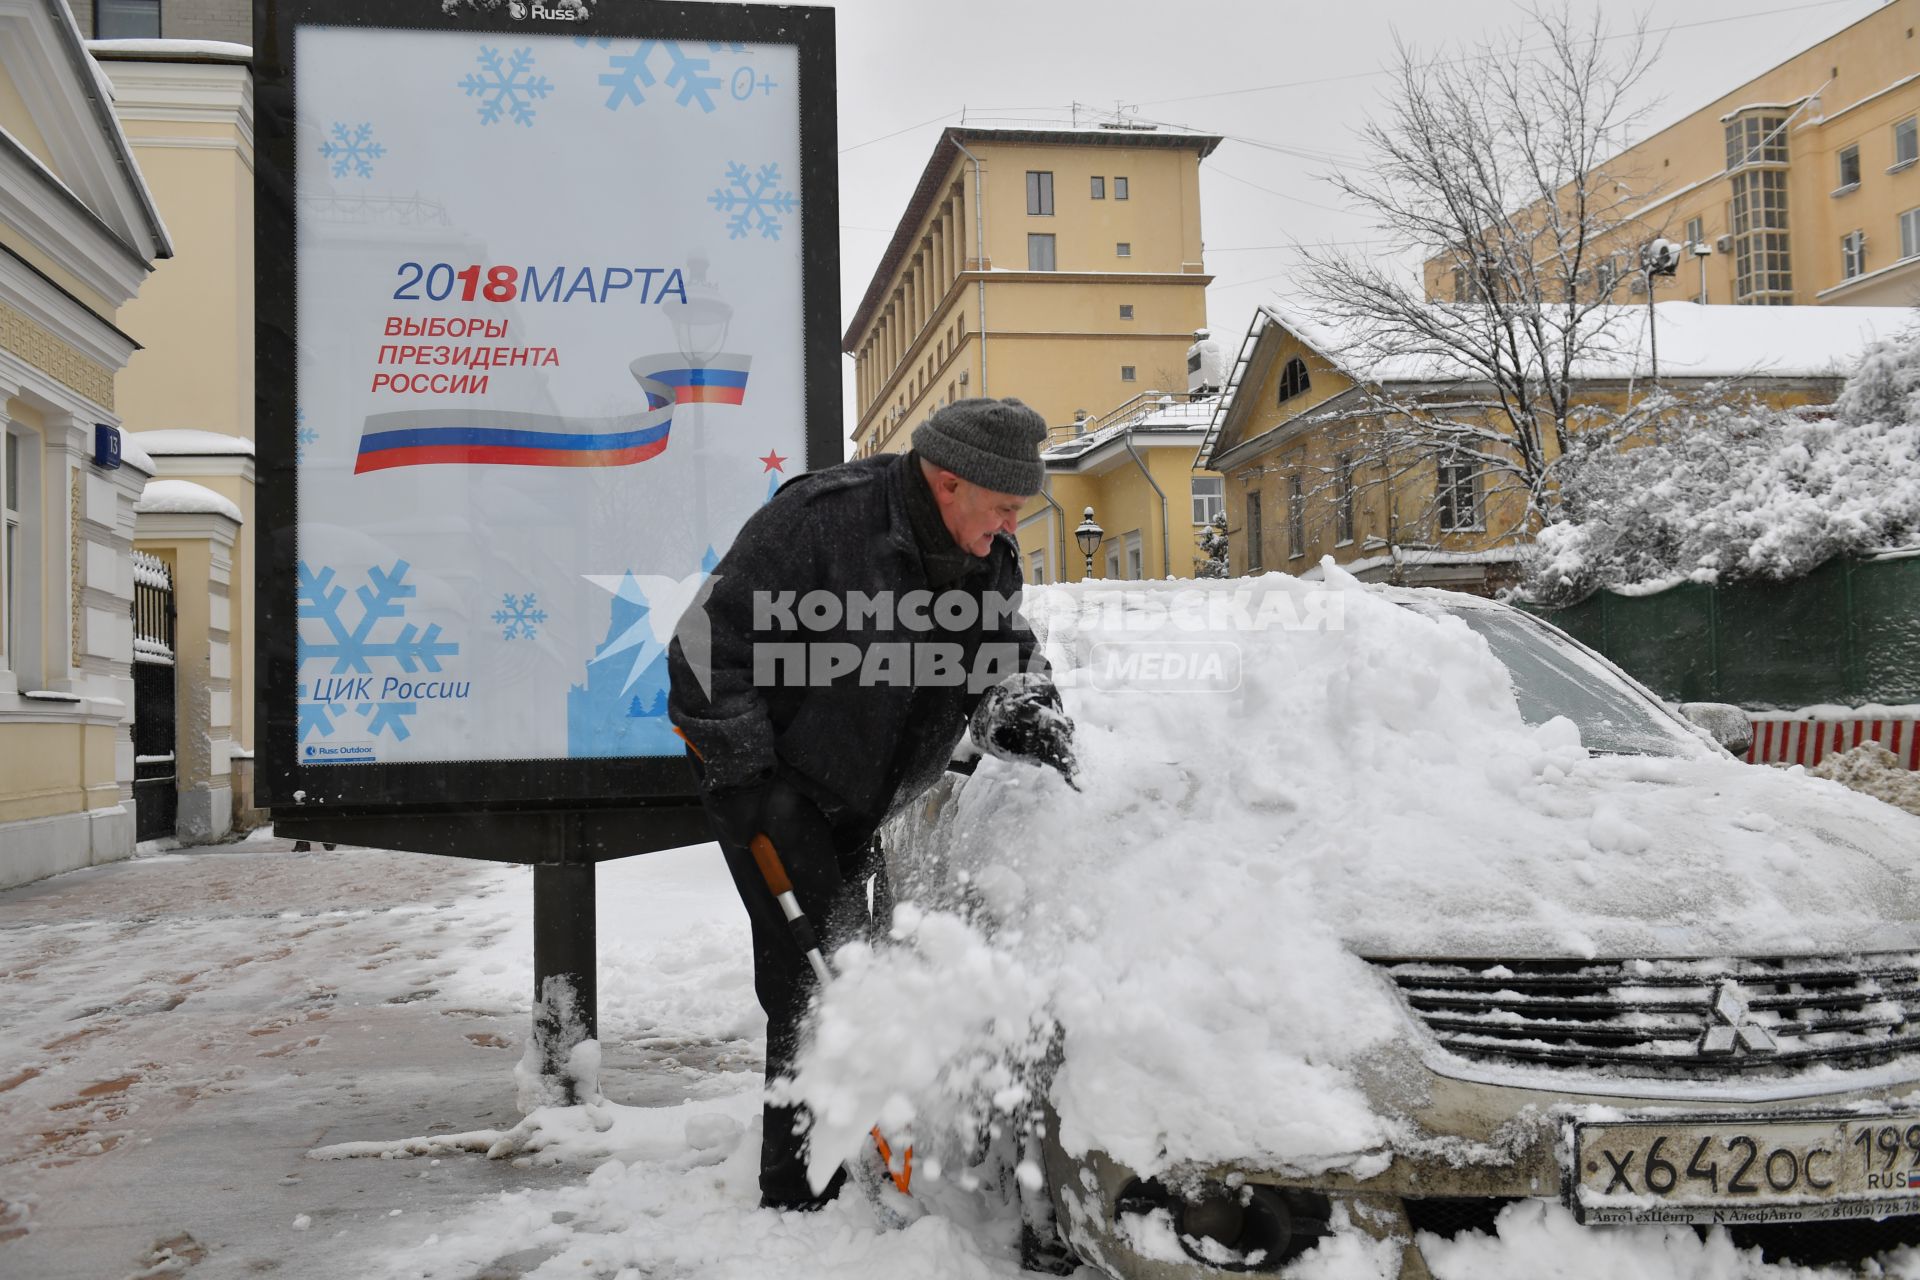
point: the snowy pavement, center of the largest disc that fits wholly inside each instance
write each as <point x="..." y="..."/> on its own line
<point x="181" y="1030"/>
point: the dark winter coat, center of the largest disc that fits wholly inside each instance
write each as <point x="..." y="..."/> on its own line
<point x="859" y="750"/>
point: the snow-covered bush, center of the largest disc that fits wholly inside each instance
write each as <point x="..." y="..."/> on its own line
<point x="1744" y="491"/>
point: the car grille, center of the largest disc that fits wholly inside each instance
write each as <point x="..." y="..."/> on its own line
<point x="1661" y="1017"/>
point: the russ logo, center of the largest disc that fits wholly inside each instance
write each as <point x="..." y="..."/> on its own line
<point x="517" y="9"/>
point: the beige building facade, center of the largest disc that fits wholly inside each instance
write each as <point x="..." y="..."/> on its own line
<point x="188" y="396"/>
<point x="1799" y="187"/>
<point x="79" y="233"/>
<point x="1062" y="267"/>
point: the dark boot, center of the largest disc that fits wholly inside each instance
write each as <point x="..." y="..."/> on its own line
<point x="783" y="1165"/>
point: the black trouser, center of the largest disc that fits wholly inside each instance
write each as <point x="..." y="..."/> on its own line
<point x="829" y="866"/>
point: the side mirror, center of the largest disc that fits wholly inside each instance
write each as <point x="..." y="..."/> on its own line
<point x="1725" y="723"/>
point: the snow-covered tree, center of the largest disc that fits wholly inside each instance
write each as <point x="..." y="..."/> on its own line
<point x="1214" y="545"/>
<point x="1744" y="492"/>
<point x="1495" y="163"/>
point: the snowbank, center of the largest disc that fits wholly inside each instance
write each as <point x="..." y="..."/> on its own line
<point x="1872" y="770"/>
<point x="1193" y="918"/>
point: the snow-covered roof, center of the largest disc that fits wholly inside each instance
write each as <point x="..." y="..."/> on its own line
<point x="171" y="50"/>
<point x="181" y="442"/>
<point x="132" y="454"/>
<point x="1695" y="341"/>
<point x="171" y="497"/>
<point x="1169" y="413"/>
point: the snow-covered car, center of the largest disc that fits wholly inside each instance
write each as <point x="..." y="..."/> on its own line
<point x="1407" y="915"/>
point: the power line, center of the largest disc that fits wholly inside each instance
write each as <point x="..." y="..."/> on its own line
<point x="1270" y="191"/>
<point x="897" y="132"/>
<point x="1462" y="61"/>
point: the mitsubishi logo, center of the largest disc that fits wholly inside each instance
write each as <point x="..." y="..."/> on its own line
<point x="1733" y="1029"/>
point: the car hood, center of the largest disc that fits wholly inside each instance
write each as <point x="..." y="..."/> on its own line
<point x="1639" y="857"/>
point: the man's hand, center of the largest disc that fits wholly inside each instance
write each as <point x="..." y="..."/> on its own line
<point x="737" y="814"/>
<point x="1021" y="719"/>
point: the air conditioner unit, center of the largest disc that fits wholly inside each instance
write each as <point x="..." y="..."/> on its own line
<point x="1637" y="285"/>
<point x="1724" y="244"/>
<point x="963" y="377"/>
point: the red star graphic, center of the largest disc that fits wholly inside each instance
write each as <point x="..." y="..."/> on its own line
<point x="774" y="462"/>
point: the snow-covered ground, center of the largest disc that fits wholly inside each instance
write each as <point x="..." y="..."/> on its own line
<point x="196" y="1043"/>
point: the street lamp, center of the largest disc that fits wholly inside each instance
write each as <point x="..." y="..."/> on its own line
<point x="1089" y="535"/>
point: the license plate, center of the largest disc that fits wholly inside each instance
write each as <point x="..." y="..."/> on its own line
<point x="1732" y="1171"/>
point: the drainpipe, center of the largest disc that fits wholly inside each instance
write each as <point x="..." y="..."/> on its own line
<point x="1166" y="552"/>
<point x="979" y="256"/>
<point x="1060" y="513"/>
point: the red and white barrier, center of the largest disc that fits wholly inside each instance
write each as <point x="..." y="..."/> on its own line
<point x="1787" y="737"/>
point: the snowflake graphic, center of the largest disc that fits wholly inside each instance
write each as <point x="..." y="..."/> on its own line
<point x="353" y="649"/>
<point x="518" y="617"/>
<point x="506" y="87"/>
<point x="753" y="199"/>
<point x="352" y="149"/>
<point x="631" y="73"/>
<point x="303" y="435"/>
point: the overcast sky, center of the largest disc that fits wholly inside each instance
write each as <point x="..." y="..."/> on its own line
<point x="1288" y="83"/>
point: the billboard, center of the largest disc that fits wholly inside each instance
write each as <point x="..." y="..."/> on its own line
<point x="546" y="310"/>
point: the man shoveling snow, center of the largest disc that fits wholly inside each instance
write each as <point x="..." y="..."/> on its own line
<point x="862" y="619"/>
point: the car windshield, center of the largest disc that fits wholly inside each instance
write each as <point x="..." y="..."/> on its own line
<point x="1552" y="678"/>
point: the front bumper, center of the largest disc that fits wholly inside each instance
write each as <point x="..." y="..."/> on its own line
<point x="1458" y="1141"/>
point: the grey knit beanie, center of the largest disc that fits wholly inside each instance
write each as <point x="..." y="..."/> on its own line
<point x="992" y="443"/>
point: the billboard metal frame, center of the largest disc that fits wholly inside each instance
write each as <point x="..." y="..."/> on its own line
<point x="538" y="811"/>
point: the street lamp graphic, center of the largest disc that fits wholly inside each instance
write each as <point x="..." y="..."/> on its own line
<point x="1089" y="536"/>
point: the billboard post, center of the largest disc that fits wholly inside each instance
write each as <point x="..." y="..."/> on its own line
<point x="546" y="307"/>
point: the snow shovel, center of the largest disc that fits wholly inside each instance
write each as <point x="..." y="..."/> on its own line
<point x="774" y="872"/>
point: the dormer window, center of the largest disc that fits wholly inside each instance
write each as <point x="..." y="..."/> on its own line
<point x="1294" y="380"/>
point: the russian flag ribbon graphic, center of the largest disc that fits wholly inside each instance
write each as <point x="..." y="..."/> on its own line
<point x="420" y="437"/>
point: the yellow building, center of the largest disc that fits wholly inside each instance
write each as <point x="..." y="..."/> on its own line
<point x="1062" y="267"/>
<point x="1799" y="187"/>
<point x="79" y="233"/>
<point x="1299" y="437"/>
<point x="1133" y="468"/>
<point x="187" y="109"/>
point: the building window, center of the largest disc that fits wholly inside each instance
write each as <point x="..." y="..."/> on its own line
<point x="1126" y="373"/>
<point x="1849" y="168"/>
<point x="1457" y="494"/>
<point x="1296" y="517"/>
<point x="1040" y="253"/>
<point x="1123" y="249"/>
<point x="1343" y="498"/>
<point x="1039" y="193"/>
<point x="1906" y="142"/>
<point x="1037" y="568"/>
<point x="1126" y="311"/>
<point x="20" y="555"/>
<point x="1113" y="563"/>
<point x="1294" y="380"/>
<point x="1099" y="188"/>
<point x="126" y="19"/>
<point x="9" y="542"/>
<point x="1756" y="139"/>
<point x="1209" y="498"/>
<point x="1254" y="560"/>
<point x="1119" y="188"/>
<point x="1696" y="232"/>
<point x="1762" y="265"/>
<point x="1136" y="558"/>
<point x="1910" y="234"/>
<point x="1853" y="254"/>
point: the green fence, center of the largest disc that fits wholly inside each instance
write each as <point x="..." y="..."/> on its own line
<point x="1847" y="633"/>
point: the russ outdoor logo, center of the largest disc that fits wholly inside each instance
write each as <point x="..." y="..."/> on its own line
<point x="520" y="10"/>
